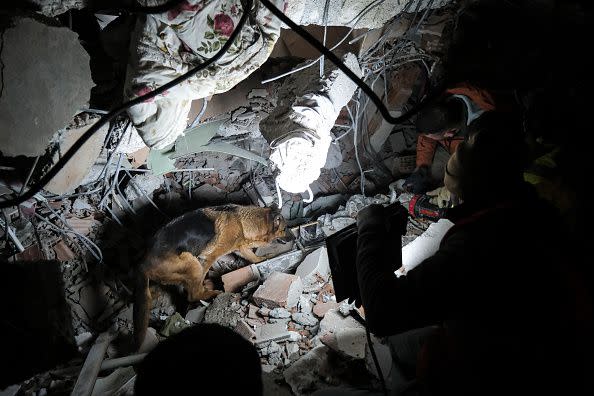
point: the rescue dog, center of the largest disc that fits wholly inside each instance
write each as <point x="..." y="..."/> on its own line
<point x="183" y="250"/>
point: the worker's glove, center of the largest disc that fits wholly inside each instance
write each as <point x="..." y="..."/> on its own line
<point x="440" y="197"/>
<point x="419" y="181"/>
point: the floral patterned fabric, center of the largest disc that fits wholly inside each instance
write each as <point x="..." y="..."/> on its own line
<point x="165" y="46"/>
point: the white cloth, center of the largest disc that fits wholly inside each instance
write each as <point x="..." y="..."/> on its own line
<point x="424" y="246"/>
<point x="165" y="46"/>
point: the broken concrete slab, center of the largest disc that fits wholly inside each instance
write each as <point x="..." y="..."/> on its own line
<point x="273" y="332"/>
<point x="285" y="263"/>
<point x="304" y="376"/>
<point x="143" y="184"/>
<point x="315" y="266"/>
<point x="351" y="342"/>
<point x="334" y="321"/>
<point x="39" y="98"/>
<point x="274" y="249"/>
<point x="72" y="175"/>
<point x="221" y="311"/>
<point x="279" y="290"/>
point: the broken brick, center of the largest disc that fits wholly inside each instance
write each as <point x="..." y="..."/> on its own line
<point x="280" y="290"/>
<point x="321" y="308"/>
<point x="253" y="311"/>
<point x="233" y="281"/>
<point x="32" y="253"/>
<point x="63" y="252"/>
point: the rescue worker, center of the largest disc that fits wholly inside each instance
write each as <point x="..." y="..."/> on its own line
<point x="442" y="127"/>
<point x="485" y="314"/>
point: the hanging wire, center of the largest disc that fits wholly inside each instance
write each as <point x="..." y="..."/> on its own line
<point x="354" y="22"/>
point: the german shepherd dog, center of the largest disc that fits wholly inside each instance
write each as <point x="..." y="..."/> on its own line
<point x="183" y="250"/>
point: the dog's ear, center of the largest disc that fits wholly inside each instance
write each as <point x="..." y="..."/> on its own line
<point x="274" y="207"/>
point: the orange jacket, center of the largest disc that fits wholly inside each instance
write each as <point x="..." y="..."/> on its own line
<point x="426" y="146"/>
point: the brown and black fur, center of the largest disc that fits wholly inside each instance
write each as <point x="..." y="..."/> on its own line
<point x="183" y="250"/>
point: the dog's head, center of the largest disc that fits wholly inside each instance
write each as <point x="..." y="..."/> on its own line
<point x="278" y="230"/>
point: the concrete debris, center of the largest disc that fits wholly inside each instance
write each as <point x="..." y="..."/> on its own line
<point x="221" y="312"/>
<point x="305" y="304"/>
<point x="320" y="309"/>
<point x="304" y="375"/>
<point x="345" y="308"/>
<point x="351" y="342"/>
<point x="209" y="193"/>
<point x="279" y="290"/>
<point x="258" y="93"/>
<point x="132" y="143"/>
<point x="143" y="184"/>
<point x="245" y="330"/>
<point x="314" y="267"/>
<point x="274" y="249"/>
<point x="305" y="319"/>
<point x="73" y="174"/>
<point x="334" y="321"/>
<point x="81" y="205"/>
<point x="292" y="350"/>
<point x="253" y="312"/>
<point x="83" y="226"/>
<point x="40" y="98"/>
<point x="196" y="315"/>
<point x="279" y="313"/>
<point x="384" y="357"/>
<point x="264" y="311"/>
<point x="285" y="263"/>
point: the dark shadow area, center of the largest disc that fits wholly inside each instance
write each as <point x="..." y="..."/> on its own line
<point x="36" y="325"/>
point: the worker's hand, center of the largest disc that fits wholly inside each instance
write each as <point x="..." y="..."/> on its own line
<point x="370" y="216"/>
<point x="419" y="181"/>
<point x="441" y="197"/>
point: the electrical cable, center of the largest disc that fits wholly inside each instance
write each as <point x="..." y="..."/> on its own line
<point x="354" y="21"/>
<point x="334" y="59"/>
<point x="279" y="14"/>
<point x="114" y="113"/>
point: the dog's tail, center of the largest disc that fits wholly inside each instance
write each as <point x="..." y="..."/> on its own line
<point x="142" y="303"/>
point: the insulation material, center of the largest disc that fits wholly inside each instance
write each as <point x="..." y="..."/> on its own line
<point x="424" y="246"/>
<point x="165" y="46"/>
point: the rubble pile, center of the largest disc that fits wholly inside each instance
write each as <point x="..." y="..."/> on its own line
<point x="97" y="225"/>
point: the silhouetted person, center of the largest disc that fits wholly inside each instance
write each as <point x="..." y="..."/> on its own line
<point x="206" y="359"/>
